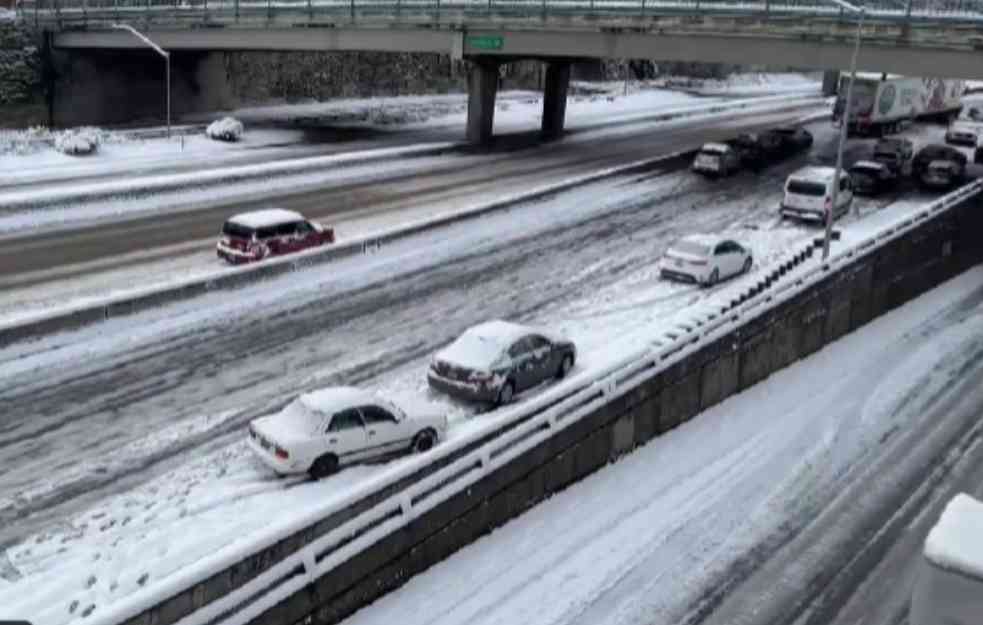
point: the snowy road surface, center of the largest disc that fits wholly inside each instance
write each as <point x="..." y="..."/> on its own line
<point x="728" y="518"/>
<point x="49" y="267"/>
<point x="125" y="438"/>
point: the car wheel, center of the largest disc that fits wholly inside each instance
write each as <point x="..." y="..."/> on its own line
<point x="565" y="366"/>
<point x="712" y="278"/>
<point x="747" y="265"/>
<point x="424" y="441"/>
<point x="505" y="394"/>
<point x="324" y="466"/>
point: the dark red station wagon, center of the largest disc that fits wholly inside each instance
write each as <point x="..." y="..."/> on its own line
<point x="256" y="235"/>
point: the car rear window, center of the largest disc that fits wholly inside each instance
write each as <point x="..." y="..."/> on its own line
<point x="692" y="248"/>
<point x="805" y="187"/>
<point x="233" y="229"/>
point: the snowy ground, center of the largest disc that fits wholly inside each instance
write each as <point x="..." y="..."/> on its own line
<point x="719" y="490"/>
<point x="746" y="84"/>
<point x="136" y="423"/>
<point x="195" y="258"/>
<point x="291" y="131"/>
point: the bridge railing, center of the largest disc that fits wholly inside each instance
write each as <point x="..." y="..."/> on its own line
<point x="76" y="12"/>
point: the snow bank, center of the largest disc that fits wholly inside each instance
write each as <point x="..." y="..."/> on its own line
<point x="956" y="541"/>
<point x="225" y="129"/>
<point x="83" y="140"/>
<point x="77" y="142"/>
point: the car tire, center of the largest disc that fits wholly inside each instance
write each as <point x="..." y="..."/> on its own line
<point x="565" y="366"/>
<point x="505" y="394"/>
<point x="324" y="466"/>
<point x="712" y="278"/>
<point x="424" y="441"/>
<point x="747" y="264"/>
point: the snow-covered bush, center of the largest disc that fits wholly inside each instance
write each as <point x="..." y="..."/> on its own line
<point x="225" y="129"/>
<point x="77" y="141"/>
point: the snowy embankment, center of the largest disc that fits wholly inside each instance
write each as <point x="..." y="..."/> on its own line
<point x="224" y="498"/>
<point x="746" y="84"/>
<point x="66" y="205"/>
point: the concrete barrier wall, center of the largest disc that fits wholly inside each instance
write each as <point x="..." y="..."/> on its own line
<point x="874" y="283"/>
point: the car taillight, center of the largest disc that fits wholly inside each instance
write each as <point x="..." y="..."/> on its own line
<point x="281" y="453"/>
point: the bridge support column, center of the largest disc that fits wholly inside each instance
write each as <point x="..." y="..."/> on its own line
<point x="119" y="86"/>
<point x="555" y="98"/>
<point x="482" y="88"/>
<point x="831" y="82"/>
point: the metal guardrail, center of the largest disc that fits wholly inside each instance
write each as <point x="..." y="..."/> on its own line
<point x="66" y="13"/>
<point x="460" y="463"/>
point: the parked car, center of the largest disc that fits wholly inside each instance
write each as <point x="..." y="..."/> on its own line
<point x="809" y="194"/>
<point x="705" y="259"/>
<point x="494" y="361"/>
<point x="793" y="138"/>
<point x="895" y="152"/>
<point x="943" y="174"/>
<point x="962" y="132"/>
<point x="717" y="159"/>
<point x="935" y="152"/>
<point x="319" y="432"/>
<point x="256" y="235"/>
<point x="871" y="177"/>
<point x="757" y="150"/>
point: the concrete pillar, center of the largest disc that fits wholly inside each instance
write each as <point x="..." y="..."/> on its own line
<point x="482" y="87"/>
<point x="114" y="86"/>
<point x="831" y="82"/>
<point x="555" y="98"/>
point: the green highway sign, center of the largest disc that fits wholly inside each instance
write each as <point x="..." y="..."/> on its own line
<point x="486" y="42"/>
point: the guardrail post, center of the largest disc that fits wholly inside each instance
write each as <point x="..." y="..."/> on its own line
<point x="236" y="2"/>
<point x="269" y="10"/>
<point x="310" y="11"/>
<point x="643" y="8"/>
<point x="907" y="13"/>
<point x="352" y="4"/>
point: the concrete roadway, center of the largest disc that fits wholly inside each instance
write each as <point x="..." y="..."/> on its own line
<point x="515" y="162"/>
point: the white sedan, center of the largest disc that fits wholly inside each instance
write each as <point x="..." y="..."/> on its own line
<point x="321" y="431"/>
<point x="705" y="259"/>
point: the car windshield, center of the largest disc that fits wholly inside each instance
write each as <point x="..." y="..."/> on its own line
<point x="691" y="247"/>
<point x="233" y="229"/>
<point x="473" y="351"/>
<point x="806" y="187"/>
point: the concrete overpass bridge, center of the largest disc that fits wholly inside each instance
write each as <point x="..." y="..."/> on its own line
<point x="915" y="37"/>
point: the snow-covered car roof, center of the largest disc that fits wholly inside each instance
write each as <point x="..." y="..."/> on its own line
<point x="266" y="217"/>
<point x="479" y="346"/>
<point x="718" y="148"/>
<point x="815" y="173"/>
<point x="333" y="399"/>
<point x="956" y="541"/>
<point x="868" y="165"/>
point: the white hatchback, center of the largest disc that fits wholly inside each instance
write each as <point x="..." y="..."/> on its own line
<point x="321" y="431"/>
<point x="705" y="259"/>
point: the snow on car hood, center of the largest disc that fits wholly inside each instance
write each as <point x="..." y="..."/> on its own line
<point x="956" y="541"/>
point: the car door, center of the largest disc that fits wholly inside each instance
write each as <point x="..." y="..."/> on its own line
<point x="346" y="435"/>
<point x="543" y="357"/>
<point x="523" y="366"/>
<point x="382" y="430"/>
<point x="721" y="262"/>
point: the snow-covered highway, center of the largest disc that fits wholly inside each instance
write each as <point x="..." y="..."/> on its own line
<point x="125" y="438"/>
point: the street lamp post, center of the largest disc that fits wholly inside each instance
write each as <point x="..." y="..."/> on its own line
<point x="844" y="123"/>
<point x="167" y="65"/>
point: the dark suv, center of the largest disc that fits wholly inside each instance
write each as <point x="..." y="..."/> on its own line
<point x="936" y="152"/>
<point x="793" y="139"/>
